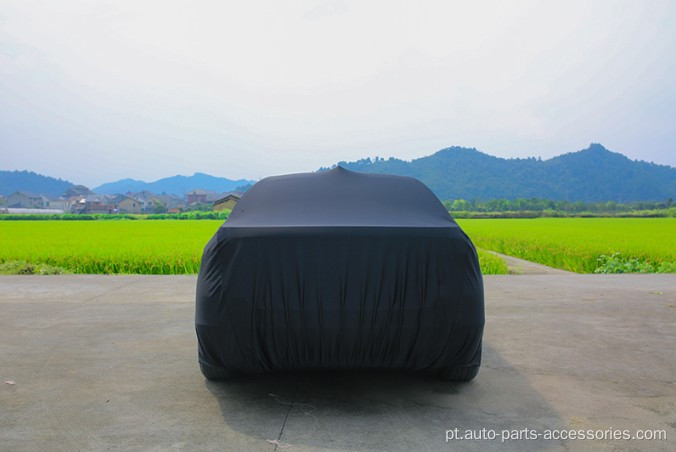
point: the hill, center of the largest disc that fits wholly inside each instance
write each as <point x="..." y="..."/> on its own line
<point x="592" y="174"/>
<point x="177" y="185"/>
<point x="11" y="181"/>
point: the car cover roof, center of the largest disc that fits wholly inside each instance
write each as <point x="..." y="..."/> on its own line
<point x="339" y="197"/>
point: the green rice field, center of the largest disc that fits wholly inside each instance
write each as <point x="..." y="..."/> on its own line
<point x="164" y="247"/>
<point x="579" y="244"/>
<point x="175" y="246"/>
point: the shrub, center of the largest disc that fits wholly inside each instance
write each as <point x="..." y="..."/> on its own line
<point x="28" y="268"/>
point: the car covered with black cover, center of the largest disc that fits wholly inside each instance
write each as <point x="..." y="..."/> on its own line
<point x="339" y="270"/>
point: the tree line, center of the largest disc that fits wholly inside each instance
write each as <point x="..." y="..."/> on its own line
<point x="545" y="205"/>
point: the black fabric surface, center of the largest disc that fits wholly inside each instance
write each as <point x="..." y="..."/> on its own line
<point x="339" y="270"/>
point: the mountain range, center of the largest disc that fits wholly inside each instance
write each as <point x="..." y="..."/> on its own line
<point x="177" y="185"/>
<point x="592" y="174"/>
<point x="11" y="181"/>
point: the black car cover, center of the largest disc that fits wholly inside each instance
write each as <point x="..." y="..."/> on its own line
<point x="339" y="269"/>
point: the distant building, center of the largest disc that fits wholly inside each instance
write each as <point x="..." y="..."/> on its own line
<point x="227" y="202"/>
<point x="22" y="211"/>
<point x="171" y="201"/>
<point x="94" y="204"/>
<point x="194" y="196"/>
<point x="27" y="200"/>
<point x="59" y="204"/>
<point x="201" y="196"/>
<point x="145" y="199"/>
<point x="129" y="205"/>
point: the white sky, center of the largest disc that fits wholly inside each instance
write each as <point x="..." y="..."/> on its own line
<point x="93" y="91"/>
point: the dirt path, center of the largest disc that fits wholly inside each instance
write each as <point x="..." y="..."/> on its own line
<point x="523" y="267"/>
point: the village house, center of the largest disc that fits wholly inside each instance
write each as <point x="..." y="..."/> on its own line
<point x="126" y="204"/>
<point x="59" y="204"/>
<point x="93" y="204"/>
<point x="227" y="202"/>
<point x="171" y="201"/>
<point x="201" y="196"/>
<point x="27" y="200"/>
<point x="152" y="203"/>
<point x="194" y="196"/>
<point x="146" y="200"/>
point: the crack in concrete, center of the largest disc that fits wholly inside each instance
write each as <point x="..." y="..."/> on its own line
<point x="288" y="411"/>
<point x="109" y="291"/>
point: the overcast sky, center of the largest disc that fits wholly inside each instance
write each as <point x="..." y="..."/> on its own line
<point x="94" y="91"/>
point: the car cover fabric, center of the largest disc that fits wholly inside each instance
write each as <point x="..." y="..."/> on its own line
<point x="339" y="270"/>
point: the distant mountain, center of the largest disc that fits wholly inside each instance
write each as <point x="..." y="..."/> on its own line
<point x="244" y="188"/>
<point x="592" y="174"/>
<point x="120" y="186"/>
<point x="177" y="185"/>
<point x="11" y="181"/>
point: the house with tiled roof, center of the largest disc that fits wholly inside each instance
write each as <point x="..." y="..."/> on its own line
<point x="59" y="204"/>
<point x="197" y="195"/>
<point x="27" y="200"/>
<point x="228" y="201"/>
<point x="94" y="204"/>
<point x="127" y="204"/>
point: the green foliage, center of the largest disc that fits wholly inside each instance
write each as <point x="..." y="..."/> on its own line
<point x="142" y="247"/>
<point x="559" y="214"/>
<point x="539" y="207"/>
<point x="159" y="207"/>
<point x="27" y="268"/>
<point x="616" y="263"/>
<point x="174" y="247"/>
<point x="192" y="215"/>
<point x="576" y="244"/>
<point x="199" y="206"/>
<point x="491" y="264"/>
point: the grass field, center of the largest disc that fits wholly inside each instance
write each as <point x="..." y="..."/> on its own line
<point x="138" y="246"/>
<point x="577" y="244"/>
<point x="175" y="247"/>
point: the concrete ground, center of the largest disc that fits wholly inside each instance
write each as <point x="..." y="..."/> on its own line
<point x="109" y="362"/>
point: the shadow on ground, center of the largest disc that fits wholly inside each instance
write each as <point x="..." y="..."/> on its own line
<point x="387" y="410"/>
